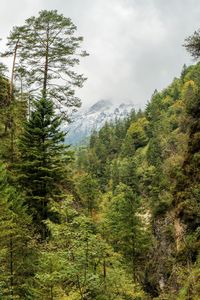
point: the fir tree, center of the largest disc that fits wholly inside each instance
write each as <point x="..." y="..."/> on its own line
<point x="43" y="157"/>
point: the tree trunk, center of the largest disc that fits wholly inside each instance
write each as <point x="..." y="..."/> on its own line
<point x="13" y="70"/>
<point x="104" y="273"/>
<point x="44" y="91"/>
<point x="11" y="268"/>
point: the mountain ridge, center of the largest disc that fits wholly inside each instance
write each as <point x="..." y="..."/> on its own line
<point x="93" y="118"/>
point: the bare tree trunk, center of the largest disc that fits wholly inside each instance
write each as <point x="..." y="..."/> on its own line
<point x="104" y="273"/>
<point x="44" y="91"/>
<point x="13" y="70"/>
<point x="11" y="268"/>
<point x="86" y="261"/>
<point x="78" y="282"/>
<point x="51" y="292"/>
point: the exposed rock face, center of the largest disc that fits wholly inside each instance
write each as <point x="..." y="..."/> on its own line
<point x="159" y="270"/>
<point x="162" y="271"/>
<point x="179" y="233"/>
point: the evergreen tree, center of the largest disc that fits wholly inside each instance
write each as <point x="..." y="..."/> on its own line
<point x="12" y="116"/>
<point x="18" y="255"/>
<point x="192" y="44"/>
<point x="89" y="193"/>
<point x="14" y="49"/>
<point x="3" y="69"/>
<point x="124" y="226"/>
<point x="188" y="184"/>
<point x="48" y="53"/>
<point x="42" y="163"/>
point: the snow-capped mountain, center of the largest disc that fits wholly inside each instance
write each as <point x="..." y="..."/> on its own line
<point x="85" y="121"/>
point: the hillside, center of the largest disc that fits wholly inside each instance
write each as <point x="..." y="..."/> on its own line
<point x="117" y="218"/>
<point x="153" y="158"/>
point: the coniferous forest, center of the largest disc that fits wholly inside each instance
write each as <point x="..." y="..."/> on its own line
<point x="118" y="218"/>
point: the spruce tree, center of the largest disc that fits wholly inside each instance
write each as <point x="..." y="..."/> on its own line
<point x="43" y="157"/>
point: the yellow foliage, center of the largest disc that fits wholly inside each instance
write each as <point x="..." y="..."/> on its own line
<point x="188" y="87"/>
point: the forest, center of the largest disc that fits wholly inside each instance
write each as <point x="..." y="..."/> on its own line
<point x="117" y="218"/>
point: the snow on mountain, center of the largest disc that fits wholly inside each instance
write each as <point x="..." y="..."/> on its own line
<point x="85" y="121"/>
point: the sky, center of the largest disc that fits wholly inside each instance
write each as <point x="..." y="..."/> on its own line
<point x="134" y="46"/>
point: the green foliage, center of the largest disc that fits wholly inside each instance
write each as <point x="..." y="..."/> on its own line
<point x="43" y="155"/>
<point x="78" y="263"/>
<point x="192" y="44"/>
<point x="138" y="134"/>
<point x="88" y="190"/>
<point x="124" y="225"/>
<point x="17" y="245"/>
<point x="46" y="50"/>
<point x="120" y="220"/>
<point x="158" y="156"/>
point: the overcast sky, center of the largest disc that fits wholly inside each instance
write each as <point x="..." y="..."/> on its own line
<point x="135" y="46"/>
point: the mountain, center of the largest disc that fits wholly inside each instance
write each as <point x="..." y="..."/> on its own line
<point x="85" y="121"/>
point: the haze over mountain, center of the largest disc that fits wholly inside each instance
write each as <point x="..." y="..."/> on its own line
<point x="93" y="118"/>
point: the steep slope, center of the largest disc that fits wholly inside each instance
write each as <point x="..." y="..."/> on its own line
<point x="152" y="162"/>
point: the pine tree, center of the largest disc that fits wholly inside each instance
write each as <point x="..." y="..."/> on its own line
<point x="192" y="44"/>
<point x="46" y="50"/>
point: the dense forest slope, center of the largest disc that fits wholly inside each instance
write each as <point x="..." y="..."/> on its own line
<point x="118" y="219"/>
<point x="155" y="156"/>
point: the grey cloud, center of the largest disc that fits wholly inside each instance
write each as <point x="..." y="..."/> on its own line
<point x="135" y="46"/>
